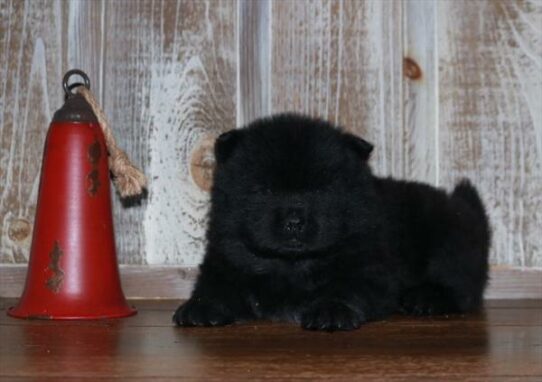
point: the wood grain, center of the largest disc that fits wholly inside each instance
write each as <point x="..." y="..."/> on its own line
<point x="342" y="60"/>
<point x="174" y="282"/>
<point x="123" y="103"/>
<point x="180" y="75"/>
<point x="490" y="117"/>
<point x="84" y="37"/>
<point x="32" y="57"/>
<point x="420" y="98"/>
<point x="502" y="343"/>
<point x="158" y="313"/>
<point x="254" y="65"/>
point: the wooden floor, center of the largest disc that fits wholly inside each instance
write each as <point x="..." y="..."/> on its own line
<point x="503" y="343"/>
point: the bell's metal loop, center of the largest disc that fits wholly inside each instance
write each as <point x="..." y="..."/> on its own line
<point x="68" y="88"/>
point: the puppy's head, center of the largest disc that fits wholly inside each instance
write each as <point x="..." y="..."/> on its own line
<point x="290" y="186"/>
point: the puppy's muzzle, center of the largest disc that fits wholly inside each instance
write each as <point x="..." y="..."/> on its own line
<point x="294" y="222"/>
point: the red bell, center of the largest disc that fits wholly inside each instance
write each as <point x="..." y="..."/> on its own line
<point x="73" y="271"/>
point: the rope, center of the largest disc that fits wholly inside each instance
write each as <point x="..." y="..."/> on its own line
<point x="127" y="178"/>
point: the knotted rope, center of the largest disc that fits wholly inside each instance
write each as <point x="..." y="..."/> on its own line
<point x="127" y="178"/>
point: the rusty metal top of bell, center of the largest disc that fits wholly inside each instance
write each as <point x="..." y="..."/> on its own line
<point x="75" y="108"/>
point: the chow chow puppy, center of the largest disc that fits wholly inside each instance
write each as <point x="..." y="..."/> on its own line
<point x="301" y="231"/>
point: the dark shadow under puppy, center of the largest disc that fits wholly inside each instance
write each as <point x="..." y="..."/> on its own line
<point x="301" y="231"/>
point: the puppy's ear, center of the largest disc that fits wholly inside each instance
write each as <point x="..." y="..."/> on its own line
<point x="225" y="144"/>
<point x="359" y="145"/>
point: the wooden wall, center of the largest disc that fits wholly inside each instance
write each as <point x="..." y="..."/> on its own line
<point x="445" y="89"/>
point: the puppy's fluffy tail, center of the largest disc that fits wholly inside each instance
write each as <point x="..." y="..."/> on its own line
<point x="465" y="191"/>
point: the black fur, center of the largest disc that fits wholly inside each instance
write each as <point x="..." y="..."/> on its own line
<point x="300" y="230"/>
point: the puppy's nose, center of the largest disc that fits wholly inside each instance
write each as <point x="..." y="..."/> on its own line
<point x="294" y="222"/>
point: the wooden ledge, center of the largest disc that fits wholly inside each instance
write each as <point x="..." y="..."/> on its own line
<point x="170" y="282"/>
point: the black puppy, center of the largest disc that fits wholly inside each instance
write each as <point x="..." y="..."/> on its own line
<point x="300" y="230"/>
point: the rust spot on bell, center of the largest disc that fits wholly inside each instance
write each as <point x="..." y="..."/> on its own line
<point x="411" y="69"/>
<point x="40" y="317"/>
<point x="93" y="182"/>
<point x="94" y="152"/>
<point x="19" y="230"/>
<point x="202" y="163"/>
<point x="55" y="281"/>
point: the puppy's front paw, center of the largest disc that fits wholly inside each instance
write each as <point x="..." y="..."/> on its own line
<point x="331" y="316"/>
<point x="196" y="312"/>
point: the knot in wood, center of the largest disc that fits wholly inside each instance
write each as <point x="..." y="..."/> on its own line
<point x="19" y="230"/>
<point x="411" y="69"/>
<point x="202" y="163"/>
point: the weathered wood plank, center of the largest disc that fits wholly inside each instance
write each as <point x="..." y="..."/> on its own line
<point x="170" y="68"/>
<point x="490" y="86"/>
<point x="254" y="66"/>
<point x="127" y="80"/>
<point x="420" y="71"/>
<point x="85" y="34"/>
<point x="176" y="282"/>
<point x="32" y="58"/>
<point x="342" y="60"/>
